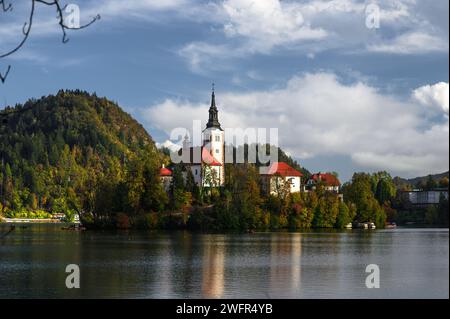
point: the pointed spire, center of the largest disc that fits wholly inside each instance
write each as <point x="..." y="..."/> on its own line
<point x="213" y="98"/>
<point x="186" y="141"/>
<point x="213" y="120"/>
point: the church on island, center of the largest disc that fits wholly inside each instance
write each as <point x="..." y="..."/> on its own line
<point x="207" y="163"/>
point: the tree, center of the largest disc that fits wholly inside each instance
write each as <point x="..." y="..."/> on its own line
<point x="60" y="207"/>
<point x="280" y="186"/>
<point x="385" y="191"/>
<point x="301" y="216"/>
<point x="383" y="186"/>
<point x="359" y="192"/>
<point x="432" y="215"/>
<point x="343" y="217"/>
<point x="154" y="197"/>
<point x="326" y="211"/>
<point x="32" y="201"/>
<point x="100" y="161"/>
<point x="443" y="182"/>
<point x="177" y="189"/>
<point x="210" y="180"/>
<point x="431" y="183"/>
<point x="192" y="187"/>
<point x="245" y="195"/>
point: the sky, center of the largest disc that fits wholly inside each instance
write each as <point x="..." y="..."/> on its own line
<point x="351" y="85"/>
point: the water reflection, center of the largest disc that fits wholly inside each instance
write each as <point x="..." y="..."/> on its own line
<point x="285" y="263"/>
<point x="213" y="267"/>
<point x="413" y="264"/>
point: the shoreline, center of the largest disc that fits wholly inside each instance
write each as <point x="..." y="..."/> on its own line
<point x="177" y="230"/>
<point x="31" y="221"/>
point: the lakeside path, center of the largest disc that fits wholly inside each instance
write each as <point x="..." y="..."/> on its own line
<point x="31" y="220"/>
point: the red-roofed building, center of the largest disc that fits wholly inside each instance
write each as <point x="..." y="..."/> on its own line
<point x="165" y="175"/>
<point x="329" y="181"/>
<point x="205" y="167"/>
<point x="280" y="178"/>
<point x="163" y="171"/>
<point x="207" y="162"/>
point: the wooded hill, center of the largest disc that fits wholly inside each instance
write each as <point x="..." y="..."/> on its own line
<point x="76" y="152"/>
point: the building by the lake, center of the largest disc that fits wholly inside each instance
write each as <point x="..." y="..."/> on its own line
<point x="423" y="198"/>
<point x="281" y="177"/>
<point x="207" y="164"/>
<point x="327" y="180"/>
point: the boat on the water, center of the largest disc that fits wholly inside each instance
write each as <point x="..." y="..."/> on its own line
<point x="390" y="226"/>
<point x="366" y="225"/>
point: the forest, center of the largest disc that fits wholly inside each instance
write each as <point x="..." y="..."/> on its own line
<point x="76" y="153"/>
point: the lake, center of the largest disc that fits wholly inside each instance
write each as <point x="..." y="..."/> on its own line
<point x="413" y="263"/>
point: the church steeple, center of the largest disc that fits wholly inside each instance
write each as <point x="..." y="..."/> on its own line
<point x="213" y="121"/>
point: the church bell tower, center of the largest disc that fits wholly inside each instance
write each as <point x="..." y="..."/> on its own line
<point x="214" y="136"/>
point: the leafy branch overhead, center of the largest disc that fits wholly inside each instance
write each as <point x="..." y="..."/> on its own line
<point x="6" y="7"/>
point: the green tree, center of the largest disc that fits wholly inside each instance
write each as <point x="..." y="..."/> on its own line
<point x="443" y="182"/>
<point x="343" y="217"/>
<point x="385" y="191"/>
<point x="359" y="192"/>
<point x="431" y="183"/>
<point x="177" y="188"/>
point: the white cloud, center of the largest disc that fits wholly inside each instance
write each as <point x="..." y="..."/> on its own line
<point x="267" y="23"/>
<point x="199" y="54"/>
<point x="11" y="33"/>
<point x="173" y="147"/>
<point x="318" y="115"/>
<point x="248" y="27"/>
<point x="46" y="23"/>
<point x="411" y="43"/>
<point x="241" y="28"/>
<point x="134" y="8"/>
<point x="434" y="96"/>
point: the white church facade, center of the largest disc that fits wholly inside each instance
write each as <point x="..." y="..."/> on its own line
<point x="207" y="162"/>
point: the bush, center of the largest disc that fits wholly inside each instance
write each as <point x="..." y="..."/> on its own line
<point x="431" y="215"/>
<point x="23" y="213"/>
<point x="278" y="222"/>
<point x="266" y="220"/>
<point x="151" y="220"/>
<point x="227" y="221"/>
<point x="87" y="219"/>
<point x="122" y="221"/>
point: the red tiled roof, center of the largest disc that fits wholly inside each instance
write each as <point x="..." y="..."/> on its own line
<point x="327" y="178"/>
<point x="207" y="157"/>
<point x="165" y="172"/>
<point x="283" y="169"/>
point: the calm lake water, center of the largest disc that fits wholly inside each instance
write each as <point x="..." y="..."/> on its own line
<point x="413" y="263"/>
